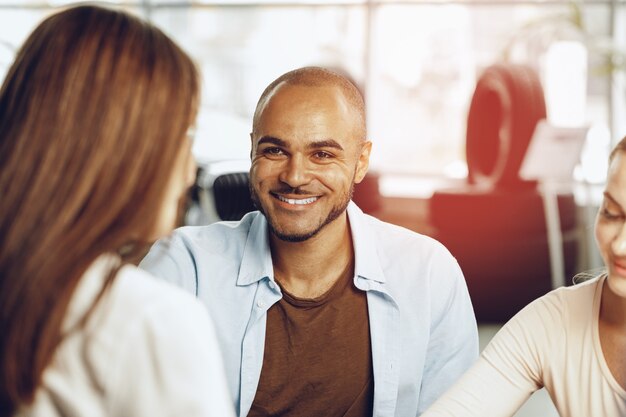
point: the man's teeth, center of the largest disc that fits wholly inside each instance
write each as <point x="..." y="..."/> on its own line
<point x="297" y="201"/>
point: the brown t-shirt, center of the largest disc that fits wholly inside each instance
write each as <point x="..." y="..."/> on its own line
<point x="318" y="358"/>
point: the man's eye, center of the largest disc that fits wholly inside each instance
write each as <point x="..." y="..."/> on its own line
<point x="273" y="151"/>
<point x="322" y="155"/>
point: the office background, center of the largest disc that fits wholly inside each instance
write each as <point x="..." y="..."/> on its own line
<point x="417" y="63"/>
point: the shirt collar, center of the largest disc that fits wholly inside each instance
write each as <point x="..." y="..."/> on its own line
<point x="366" y="263"/>
<point x="256" y="262"/>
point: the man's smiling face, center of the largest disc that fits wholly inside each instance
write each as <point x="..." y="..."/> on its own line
<point x="306" y="158"/>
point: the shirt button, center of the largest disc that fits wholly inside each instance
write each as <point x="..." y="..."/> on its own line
<point x="260" y="304"/>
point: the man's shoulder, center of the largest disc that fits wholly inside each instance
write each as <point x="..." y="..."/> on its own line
<point x="216" y="233"/>
<point x="391" y="237"/>
<point x="181" y="253"/>
<point x="137" y="298"/>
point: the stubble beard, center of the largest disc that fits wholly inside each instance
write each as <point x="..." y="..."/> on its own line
<point x="334" y="213"/>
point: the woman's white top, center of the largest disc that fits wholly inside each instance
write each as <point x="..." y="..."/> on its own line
<point x="552" y="343"/>
<point x="148" y="349"/>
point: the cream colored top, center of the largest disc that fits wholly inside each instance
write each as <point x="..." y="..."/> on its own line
<point x="552" y="343"/>
<point x="148" y="349"/>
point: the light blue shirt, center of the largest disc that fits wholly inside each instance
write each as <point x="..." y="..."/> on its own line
<point x="422" y="326"/>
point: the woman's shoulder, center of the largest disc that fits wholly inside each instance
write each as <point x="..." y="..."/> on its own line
<point x="556" y="316"/>
<point x="140" y="327"/>
<point x="135" y="284"/>
<point x="561" y="305"/>
<point x="135" y="303"/>
<point x="537" y="334"/>
<point x="133" y="295"/>
<point x="166" y="335"/>
<point x="136" y="296"/>
<point x="550" y="316"/>
<point x="578" y="297"/>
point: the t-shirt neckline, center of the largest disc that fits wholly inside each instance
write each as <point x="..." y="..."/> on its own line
<point x="596" y="340"/>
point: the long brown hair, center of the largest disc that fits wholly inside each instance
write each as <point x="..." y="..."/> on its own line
<point x="92" y="114"/>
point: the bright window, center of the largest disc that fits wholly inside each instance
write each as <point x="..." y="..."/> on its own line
<point x="417" y="62"/>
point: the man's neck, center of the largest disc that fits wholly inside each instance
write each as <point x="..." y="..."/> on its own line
<point x="308" y="269"/>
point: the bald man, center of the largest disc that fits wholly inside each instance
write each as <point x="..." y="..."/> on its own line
<point x="320" y="309"/>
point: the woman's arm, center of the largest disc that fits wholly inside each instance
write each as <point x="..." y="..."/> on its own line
<point x="510" y="368"/>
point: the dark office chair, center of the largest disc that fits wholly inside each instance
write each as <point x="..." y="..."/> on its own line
<point x="220" y="192"/>
<point x="232" y="195"/>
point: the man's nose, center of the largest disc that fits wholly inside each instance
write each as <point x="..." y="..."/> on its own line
<point x="296" y="171"/>
<point x="619" y="243"/>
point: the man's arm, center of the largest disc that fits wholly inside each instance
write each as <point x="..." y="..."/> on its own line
<point x="509" y="369"/>
<point x="453" y="343"/>
<point x="170" y="260"/>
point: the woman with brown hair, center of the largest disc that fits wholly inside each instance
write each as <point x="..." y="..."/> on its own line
<point x="94" y="160"/>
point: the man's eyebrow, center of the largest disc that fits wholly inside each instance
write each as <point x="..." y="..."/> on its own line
<point x="272" y="140"/>
<point x="328" y="143"/>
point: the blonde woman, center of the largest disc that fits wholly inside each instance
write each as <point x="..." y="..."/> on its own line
<point x="571" y="341"/>
<point x="94" y="159"/>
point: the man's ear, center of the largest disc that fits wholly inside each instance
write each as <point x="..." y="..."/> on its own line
<point x="363" y="162"/>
